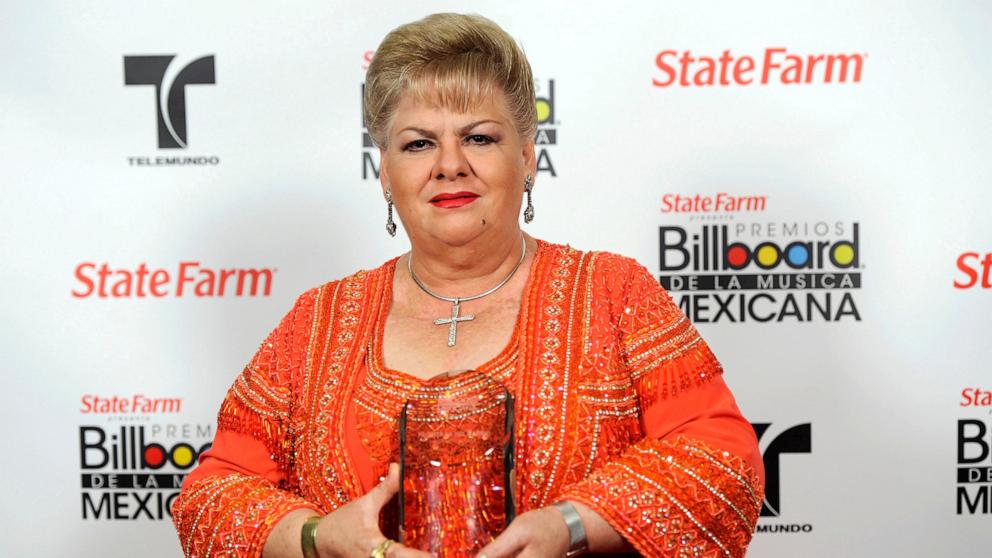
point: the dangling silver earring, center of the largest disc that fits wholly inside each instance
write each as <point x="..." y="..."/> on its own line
<point x="529" y="211"/>
<point x="390" y="225"/>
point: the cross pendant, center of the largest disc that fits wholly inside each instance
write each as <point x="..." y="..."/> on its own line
<point x="452" y="323"/>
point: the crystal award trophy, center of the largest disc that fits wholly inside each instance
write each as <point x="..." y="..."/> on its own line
<point x="456" y="465"/>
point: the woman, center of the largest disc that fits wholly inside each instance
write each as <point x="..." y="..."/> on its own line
<point x="627" y="437"/>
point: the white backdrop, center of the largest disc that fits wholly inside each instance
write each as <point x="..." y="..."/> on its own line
<point x="897" y="143"/>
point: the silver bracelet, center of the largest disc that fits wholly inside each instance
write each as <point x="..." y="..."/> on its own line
<point x="577" y="541"/>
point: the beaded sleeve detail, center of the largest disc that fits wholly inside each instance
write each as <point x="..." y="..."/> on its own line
<point x="230" y="515"/>
<point x="231" y="511"/>
<point x="663" y="352"/>
<point x="259" y="402"/>
<point x="676" y="497"/>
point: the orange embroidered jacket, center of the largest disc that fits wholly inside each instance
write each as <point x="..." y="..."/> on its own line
<point x="620" y="405"/>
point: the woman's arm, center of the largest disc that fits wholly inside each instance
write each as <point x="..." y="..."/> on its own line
<point x="684" y="485"/>
<point x="695" y="480"/>
<point x="543" y="532"/>
<point x="241" y="490"/>
<point x="351" y="530"/>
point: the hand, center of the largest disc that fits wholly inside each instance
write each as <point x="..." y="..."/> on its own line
<point x="353" y="529"/>
<point x="539" y="533"/>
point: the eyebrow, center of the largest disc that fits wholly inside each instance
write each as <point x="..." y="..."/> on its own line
<point x="463" y="130"/>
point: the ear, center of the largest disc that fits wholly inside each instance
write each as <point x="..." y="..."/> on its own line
<point x="383" y="174"/>
<point x="530" y="157"/>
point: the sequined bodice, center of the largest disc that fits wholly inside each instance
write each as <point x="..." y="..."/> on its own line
<point x="380" y="396"/>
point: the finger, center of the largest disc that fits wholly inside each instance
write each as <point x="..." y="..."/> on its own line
<point x="397" y="550"/>
<point x="513" y="486"/>
<point x="387" y="488"/>
<point x="504" y="546"/>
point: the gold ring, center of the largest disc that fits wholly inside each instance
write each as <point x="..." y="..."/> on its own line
<point x="380" y="551"/>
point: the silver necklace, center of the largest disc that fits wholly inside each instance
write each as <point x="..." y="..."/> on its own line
<point x="452" y="322"/>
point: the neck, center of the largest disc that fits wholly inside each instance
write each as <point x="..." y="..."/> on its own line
<point x="468" y="269"/>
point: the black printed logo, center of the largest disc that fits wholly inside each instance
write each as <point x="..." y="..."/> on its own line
<point x="794" y="440"/>
<point x="170" y="99"/>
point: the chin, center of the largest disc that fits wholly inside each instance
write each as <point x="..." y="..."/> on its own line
<point x="457" y="230"/>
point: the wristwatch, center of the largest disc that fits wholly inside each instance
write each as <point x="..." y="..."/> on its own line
<point x="577" y="541"/>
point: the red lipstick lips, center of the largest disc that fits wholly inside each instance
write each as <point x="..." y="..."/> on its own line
<point x="453" y="200"/>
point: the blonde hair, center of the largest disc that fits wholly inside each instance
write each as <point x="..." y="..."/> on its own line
<point x="450" y="60"/>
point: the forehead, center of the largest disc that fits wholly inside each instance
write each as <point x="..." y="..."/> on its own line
<point x="425" y="106"/>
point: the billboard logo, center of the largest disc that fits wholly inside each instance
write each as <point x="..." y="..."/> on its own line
<point x="974" y="454"/>
<point x="135" y="472"/>
<point x="547" y="126"/>
<point x="763" y="272"/>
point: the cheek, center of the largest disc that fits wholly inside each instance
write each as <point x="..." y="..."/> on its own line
<point x="498" y="171"/>
<point x="407" y="176"/>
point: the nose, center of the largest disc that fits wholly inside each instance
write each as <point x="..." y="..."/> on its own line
<point x="451" y="162"/>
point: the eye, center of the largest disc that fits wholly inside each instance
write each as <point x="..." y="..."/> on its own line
<point x="417" y="145"/>
<point x="480" y="139"/>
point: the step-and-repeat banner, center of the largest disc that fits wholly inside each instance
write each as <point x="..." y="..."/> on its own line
<point x="811" y="181"/>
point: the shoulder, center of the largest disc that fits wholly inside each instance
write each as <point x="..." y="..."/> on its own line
<point x="613" y="283"/>
<point x="624" y="282"/>
<point x="605" y="260"/>
<point x="355" y="288"/>
<point x="358" y="280"/>
<point x="605" y="268"/>
<point x="616" y="266"/>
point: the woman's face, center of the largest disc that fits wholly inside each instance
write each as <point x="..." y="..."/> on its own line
<point x="455" y="176"/>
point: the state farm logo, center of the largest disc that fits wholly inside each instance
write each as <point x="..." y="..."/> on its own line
<point x="705" y="207"/>
<point x="974" y="270"/>
<point x="188" y="279"/>
<point x="974" y="453"/>
<point x="776" y="65"/>
<point x="974" y="397"/>
<point x="137" y="404"/>
<point x="169" y="82"/>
